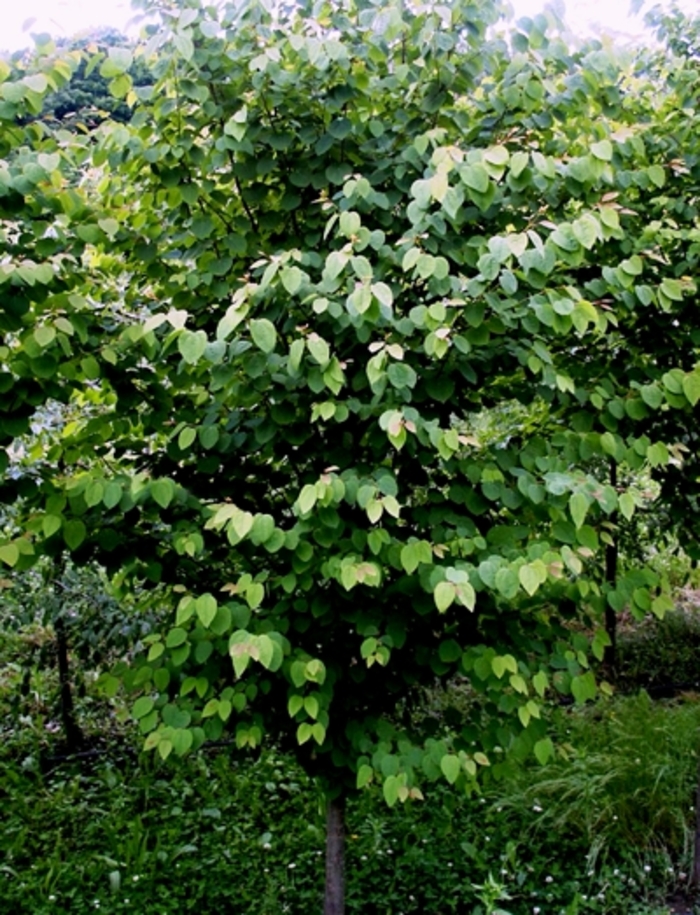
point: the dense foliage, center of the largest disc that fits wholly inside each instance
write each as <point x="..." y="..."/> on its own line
<point x="255" y="332"/>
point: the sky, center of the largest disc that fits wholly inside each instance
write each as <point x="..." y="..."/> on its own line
<point x="66" y="17"/>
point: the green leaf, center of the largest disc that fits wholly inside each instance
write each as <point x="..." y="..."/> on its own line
<point x="264" y="334"/>
<point x="602" y="150"/>
<point x="50" y="525"/>
<point x="544" y="750"/>
<point x="578" y="506"/>
<point x="191" y="345"/>
<point x="691" y="386"/>
<point x="529" y="579"/>
<point x="94" y="493"/>
<point x="118" y="61"/>
<point x="255" y="594"/>
<point x="587" y="230"/>
<point x="162" y="492"/>
<point x="507" y="582"/>
<point x="74" y="532"/>
<point x="292" y="278"/>
<point x="9" y="554"/>
<point x="206" y="607"/>
<point x="112" y="494"/>
<point x="451" y="767"/>
<point x="401" y="375"/>
<point x="672" y="289"/>
<point x="186" y="438"/>
<point x="540" y="682"/>
<point x="583" y="687"/>
<point x="142" y="707"/>
<point x="175" y="637"/>
<point x="627" y="504"/>
<point x="307" y="499"/>
<point x="184" y="45"/>
<point x="444" y="595"/>
<point x="365" y="775"/>
<point x="390" y="790"/>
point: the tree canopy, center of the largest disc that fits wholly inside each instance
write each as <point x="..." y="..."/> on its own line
<point x="276" y="305"/>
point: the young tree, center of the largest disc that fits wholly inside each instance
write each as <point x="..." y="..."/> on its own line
<point x="329" y="241"/>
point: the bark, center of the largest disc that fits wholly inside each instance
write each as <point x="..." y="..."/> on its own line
<point x="73" y="734"/>
<point x="334" y="902"/>
<point x="695" y="876"/>
<point x="611" y="557"/>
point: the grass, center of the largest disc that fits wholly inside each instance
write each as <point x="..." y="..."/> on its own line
<point x="602" y="831"/>
<point x="605" y="829"/>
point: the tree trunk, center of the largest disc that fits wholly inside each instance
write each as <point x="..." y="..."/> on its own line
<point x="695" y="876"/>
<point x="73" y="734"/>
<point x="334" y="902"/>
<point x="611" y="556"/>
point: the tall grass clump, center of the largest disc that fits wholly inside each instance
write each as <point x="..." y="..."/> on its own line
<point x="625" y="778"/>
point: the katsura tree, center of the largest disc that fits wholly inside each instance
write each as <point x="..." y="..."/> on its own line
<point x="49" y="327"/>
<point x="328" y="242"/>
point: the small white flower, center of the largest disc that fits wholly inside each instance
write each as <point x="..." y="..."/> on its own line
<point x="548" y="879"/>
<point x="616" y="873"/>
<point x="449" y="864"/>
<point x="537" y="808"/>
<point x="536" y="910"/>
<point x="135" y="878"/>
<point x="291" y="866"/>
<point x="647" y="868"/>
<point x="52" y="898"/>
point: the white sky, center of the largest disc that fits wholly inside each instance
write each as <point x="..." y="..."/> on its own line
<point x="65" y="17"/>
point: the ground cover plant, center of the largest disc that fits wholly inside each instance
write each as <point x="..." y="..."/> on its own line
<point x="602" y="831"/>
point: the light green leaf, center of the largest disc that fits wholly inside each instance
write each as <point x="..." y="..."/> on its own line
<point x="365" y="774"/>
<point x="602" y="150"/>
<point x="451" y="767"/>
<point x="627" y="504"/>
<point x="206" y="607"/>
<point x="264" y="334"/>
<point x="9" y="554"/>
<point x="390" y="789"/>
<point x="162" y="492"/>
<point x="578" y="506"/>
<point x="444" y="595"/>
<point x="255" y="594"/>
<point x="691" y="386"/>
<point x="672" y="289"/>
<point x="307" y="499"/>
<point x="292" y="278"/>
<point x="544" y="750"/>
<point x="192" y="345"/>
